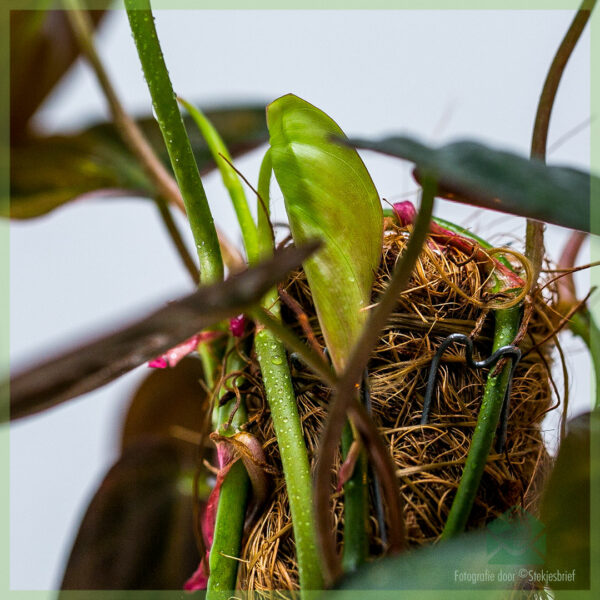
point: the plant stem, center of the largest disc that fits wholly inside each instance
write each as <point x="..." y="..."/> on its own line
<point x="266" y="239"/>
<point x="175" y="235"/>
<point x="292" y="448"/>
<point x="177" y="142"/>
<point x="277" y="379"/>
<point x="229" y="528"/>
<point x="127" y="127"/>
<point x="534" y="243"/>
<point x="230" y="179"/>
<point x="506" y="328"/>
<point x="233" y="499"/>
<point x="356" y="508"/>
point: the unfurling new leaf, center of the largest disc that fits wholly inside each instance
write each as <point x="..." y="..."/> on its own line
<point x="329" y="195"/>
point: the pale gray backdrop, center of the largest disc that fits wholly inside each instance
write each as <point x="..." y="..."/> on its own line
<point x="438" y="74"/>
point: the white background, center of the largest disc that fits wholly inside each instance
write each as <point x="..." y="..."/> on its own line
<point x="439" y="75"/>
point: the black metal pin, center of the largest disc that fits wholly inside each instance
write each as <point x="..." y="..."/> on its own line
<point x="511" y="352"/>
<point x="377" y="497"/>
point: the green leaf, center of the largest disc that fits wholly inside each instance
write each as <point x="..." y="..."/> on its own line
<point x="47" y="172"/>
<point x="472" y="173"/>
<point x="137" y="532"/>
<point x="97" y="363"/>
<point x="443" y="566"/>
<point x="329" y="195"/>
<point x="566" y="502"/>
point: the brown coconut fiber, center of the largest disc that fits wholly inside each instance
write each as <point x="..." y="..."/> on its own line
<point x="429" y="460"/>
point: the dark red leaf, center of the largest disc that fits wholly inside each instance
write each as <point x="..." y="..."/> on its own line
<point x="137" y="532"/>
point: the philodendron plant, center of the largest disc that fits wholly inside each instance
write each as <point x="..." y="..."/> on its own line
<point x="308" y="380"/>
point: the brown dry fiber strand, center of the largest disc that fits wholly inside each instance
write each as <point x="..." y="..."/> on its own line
<point x="429" y="460"/>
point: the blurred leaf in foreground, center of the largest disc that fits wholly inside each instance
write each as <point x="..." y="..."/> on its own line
<point x="472" y="173"/>
<point x="169" y="403"/>
<point x="137" y="532"/>
<point x="566" y="502"/>
<point x="450" y="565"/>
<point x="97" y="363"/>
<point x="47" y="172"/>
<point x="42" y="48"/>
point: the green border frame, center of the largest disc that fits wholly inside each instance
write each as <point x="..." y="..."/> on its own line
<point x="7" y="5"/>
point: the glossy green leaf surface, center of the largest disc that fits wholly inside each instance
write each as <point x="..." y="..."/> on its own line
<point x="47" y="172"/>
<point x="475" y="174"/>
<point x="329" y="195"/>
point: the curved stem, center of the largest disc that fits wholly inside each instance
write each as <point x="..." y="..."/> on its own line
<point x="582" y="323"/>
<point x="131" y="134"/>
<point x="176" y="140"/>
<point x="534" y="242"/>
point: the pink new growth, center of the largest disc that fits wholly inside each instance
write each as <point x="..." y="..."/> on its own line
<point x="236" y="325"/>
<point x="171" y="357"/>
<point x="406" y="214"/>
<point x="245" y="447"/>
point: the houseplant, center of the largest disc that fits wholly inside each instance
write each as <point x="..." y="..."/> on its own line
<point x="200" y="221"/>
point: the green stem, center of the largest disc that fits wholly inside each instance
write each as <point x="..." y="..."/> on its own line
<point x="506" y="328"/>
<point x="177" y="142"/>
<point x="233" y="499"/>
<point x="356" y="508"/>
<point x="266" y="239"/>
<point x="229" y="528"/>
<point x="231" y="181"/>
<point x="292" y="448"/>
<point x="277" y="379"/>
